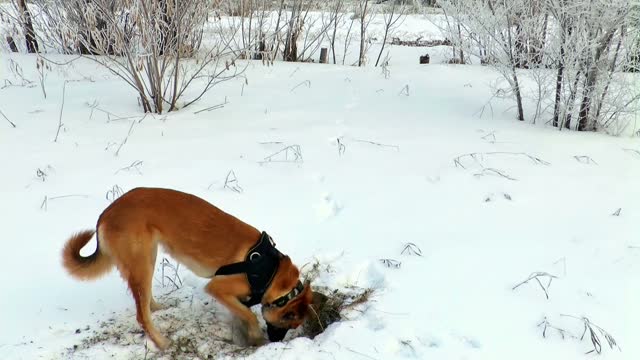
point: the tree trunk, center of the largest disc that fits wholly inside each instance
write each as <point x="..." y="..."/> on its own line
<point x="12" y="44"/>
<point x="612" y="69"/>
<point x="461" y="52"/>
<point x="168" y="31"/>
<point x="591" y="77"/>
<point x="290" y="52"/>
<point x="566" y="121"/>
<point x="29" y="33"/>
<point x="516" y="85"/>
<point x="363" y="34"/>
<point x="386" y="34"/>
<point x="560" y="78"/>
<point x="520" y="55"/>
<point x="333" y="40"/>
<point x="514" y="74"/>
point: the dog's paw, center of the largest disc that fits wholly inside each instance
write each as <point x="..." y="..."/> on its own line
<point x="162" y="343"/>
<point x="239" y="334"/>
<point x="155" y="306"/>
<point x="255" y="337"/>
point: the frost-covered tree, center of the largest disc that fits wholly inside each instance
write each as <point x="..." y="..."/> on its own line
<point x="587" y="43"/>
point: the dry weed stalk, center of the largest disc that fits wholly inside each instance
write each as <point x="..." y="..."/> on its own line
<point x="536" y="276"/>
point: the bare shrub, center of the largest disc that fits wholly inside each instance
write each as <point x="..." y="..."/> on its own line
<point x="155" y="47"/>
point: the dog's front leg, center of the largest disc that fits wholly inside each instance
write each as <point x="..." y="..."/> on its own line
<point x="227" y="289"/>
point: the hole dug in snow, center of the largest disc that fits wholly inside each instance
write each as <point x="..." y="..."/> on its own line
<point x="329" y="307"/>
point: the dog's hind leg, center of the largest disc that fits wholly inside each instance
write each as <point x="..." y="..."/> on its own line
<point x="140" y="285"/>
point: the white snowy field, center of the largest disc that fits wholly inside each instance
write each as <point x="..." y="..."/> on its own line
<point x="373" y="164"/>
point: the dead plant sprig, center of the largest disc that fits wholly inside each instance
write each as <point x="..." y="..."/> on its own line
<point x="411" y="249"/>
<point x="490" y="137"/>
<point x="60" y="124"/>
<point x="536" y="276"/>
<point x="478" y="157"/>
<point x="114" y="193"/>
<point x="396" y="147"/>
<point x="291" y="154"/>
<point x="45" y="202"/>
<point x="306" y="82"/>
<point x="545" y="324"/>
<point x="175" y="280"/>
<point x="632" y="151"/>
<point x="341" y="147"/>
<point x="214" y="107"/>
<point x="126" y="138"/>
<point x="6" y="118"/>
<point x="584" y="159"/>
<point x="492" y="171"/>
<point x="595" y="332"/>
<point x="391" y="263"/>
<point x="136" y="165"/>
<point x="231" y="182"/>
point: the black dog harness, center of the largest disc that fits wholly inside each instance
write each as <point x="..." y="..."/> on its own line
<point x="260" y="266"/>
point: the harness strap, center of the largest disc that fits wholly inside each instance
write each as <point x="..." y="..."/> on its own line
<point x="260" y="266"/>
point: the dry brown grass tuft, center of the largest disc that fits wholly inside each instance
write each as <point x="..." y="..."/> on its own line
<point x="329" y="307"/>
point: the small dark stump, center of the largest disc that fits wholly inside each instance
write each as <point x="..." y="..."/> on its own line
<point x="424" y="59"/>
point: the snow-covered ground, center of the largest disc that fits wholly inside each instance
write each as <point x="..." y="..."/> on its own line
<point x="376" y="170"/>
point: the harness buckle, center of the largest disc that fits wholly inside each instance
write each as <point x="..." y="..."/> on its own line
<point x="254" y="257"/>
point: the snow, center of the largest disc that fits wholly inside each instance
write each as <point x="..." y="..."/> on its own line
<point x="390" y="180"/>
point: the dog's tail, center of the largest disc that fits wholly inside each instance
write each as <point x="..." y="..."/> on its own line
<point x="80" y="267"/>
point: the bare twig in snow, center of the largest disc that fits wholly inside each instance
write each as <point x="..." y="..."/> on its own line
<point x="341" y="147"/>
<point x="231" y="182"/>
<point x="481" y="111"/>
<point x="291" y="154"/>
<point x="378" y="144"/>
<point x="214" y="107"/>
<point x="45" y="202"/>
<point x="306" y="82"/>
<point x="545" y="324"/>
<point x="617" y="212"/>
<point x="124" y="141"/>
<point x="479" y="157"/>
<point x="134" y="166"/>
<point x="411" y="249"/>
<point x="562" y="260"/>
<point x="114" y="193"/>
<point x="6" y="118"/>
<point x="176" y="281"/>
<point x="584" y="159"/>
<point x="42" y="174"/>
<point x="595" y="332"/>
<point x="633" y="151"/>
<point x="391" y="263"/>
<point x="492" y="171"/>
<point x="404" y="91"/>
<point x="64" y="88"/>
<point x="536" y="276"/>
<point x="490" y="137"/>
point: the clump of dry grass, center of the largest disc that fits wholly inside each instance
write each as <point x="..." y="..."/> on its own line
<point x="329" y="307"/>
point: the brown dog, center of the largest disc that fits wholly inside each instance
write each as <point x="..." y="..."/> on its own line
<point x="243" y="264"/>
